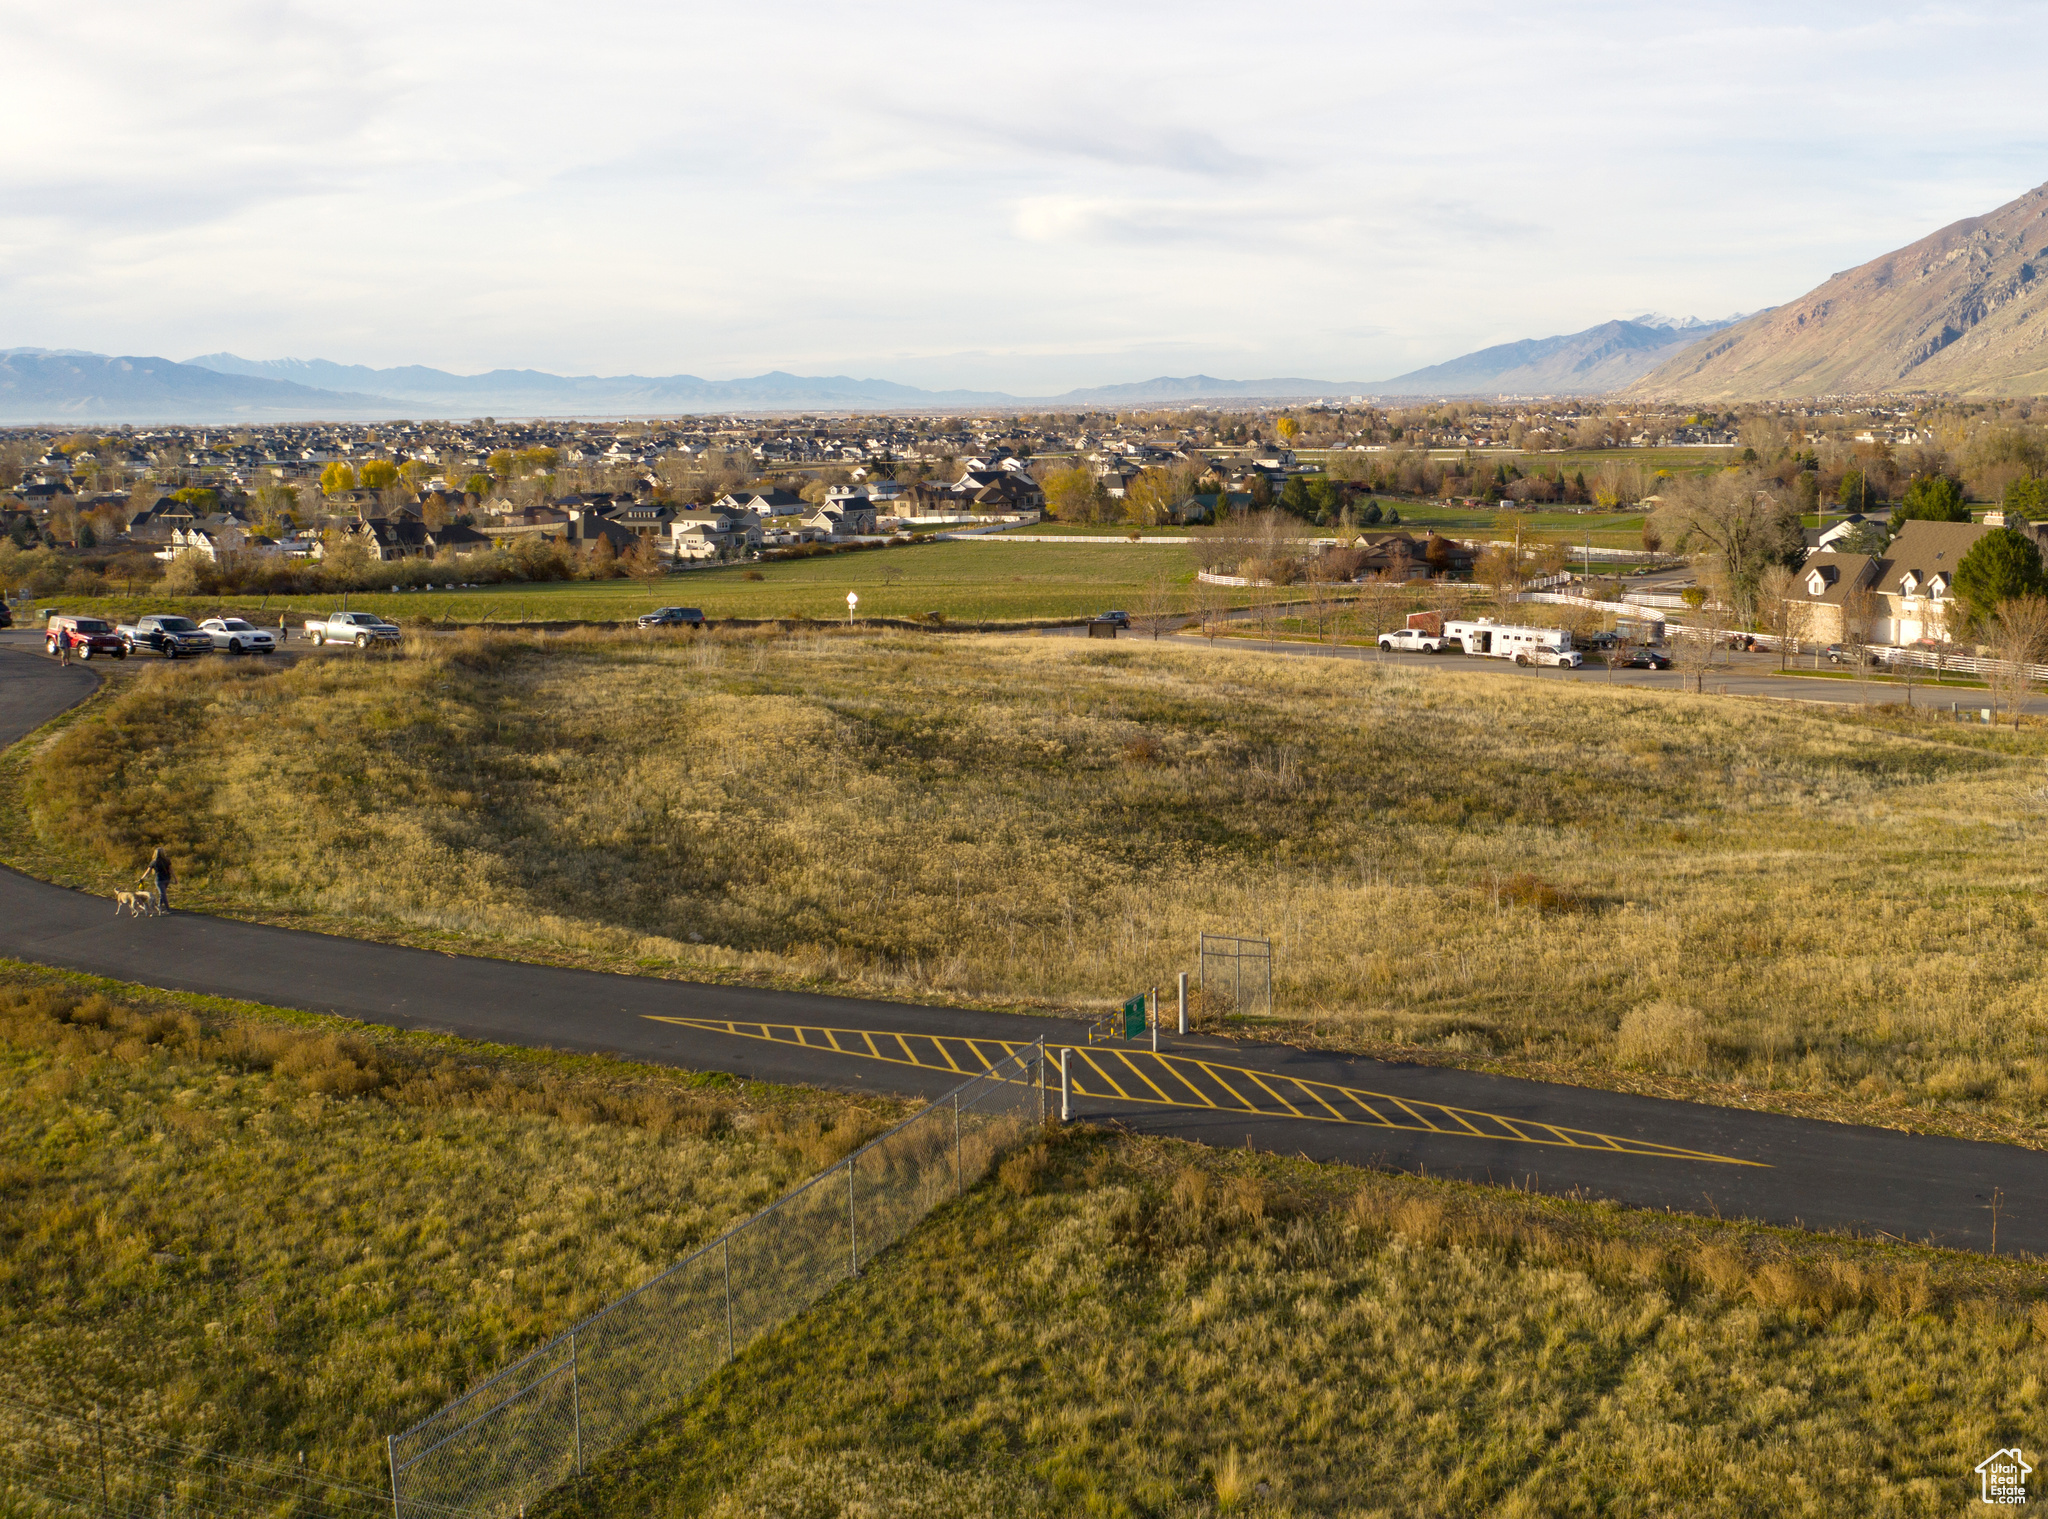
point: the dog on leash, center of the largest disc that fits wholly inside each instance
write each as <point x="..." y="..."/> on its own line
<point x="140" y="903"/>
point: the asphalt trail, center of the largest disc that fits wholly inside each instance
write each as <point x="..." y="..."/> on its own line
<point x="1799" y="1172"/>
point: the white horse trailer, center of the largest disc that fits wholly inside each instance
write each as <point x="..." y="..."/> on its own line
<point x="1525" y="646"/>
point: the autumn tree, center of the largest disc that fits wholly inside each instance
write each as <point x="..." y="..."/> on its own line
<point x="1735" y="524"/>
<point x="377" y="475"/>
<point x="336" y="478"/>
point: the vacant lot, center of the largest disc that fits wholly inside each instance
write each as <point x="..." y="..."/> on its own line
<point x="1144" y="1331"/>
<point x="1632" y="885"/>
<point x="966" y="581"/>
<point x="263" y="1232"/>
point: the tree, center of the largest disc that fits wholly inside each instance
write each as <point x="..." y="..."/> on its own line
<point x="1931" y="498"/>
<point x="1864" y="538"/>
<point x="2019" y="634"/>
<point x="2027" y="498"/>
<point x="1782" y="608"/>
<point x="336" y="478"/>
<point x="1697" y="648"/>
<point x="1376" y="598"/>
<point x="1072" y="495"/>
<point x="1861" y="609"/>
<point x="1156" y="605"/>
<point x="1288" y="430"/>
<point x="1498" y="569"/>
<point x="1741" y="528"/>
<point x="2004" y="563"/>
<point x="477" y="485"/>
<point x="377" y="475"/>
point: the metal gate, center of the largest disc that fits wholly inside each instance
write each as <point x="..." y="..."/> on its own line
<point x="1234" y="974"/>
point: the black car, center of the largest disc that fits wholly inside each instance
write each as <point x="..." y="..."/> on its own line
<point x="667" y="617"/>
<point x="6" y="616"/>
<point x="1121" y="619"/>
<point x="1647" y="659"/>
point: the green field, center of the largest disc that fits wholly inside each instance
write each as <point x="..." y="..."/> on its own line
<point x="966" y="581"/>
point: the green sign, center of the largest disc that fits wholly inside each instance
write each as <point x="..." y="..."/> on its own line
<point x="1134" y="1017"/>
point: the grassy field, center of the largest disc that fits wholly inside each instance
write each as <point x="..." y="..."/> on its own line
<point x="967" y="582"/>
<point x="1128" y="1328"/>
<point x="260" y="1232"/>
<point x="263" y="1232"/>
<point x="1832" y="910"/>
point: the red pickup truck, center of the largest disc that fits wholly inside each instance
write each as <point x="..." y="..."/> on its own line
<point x="89" y="636"/>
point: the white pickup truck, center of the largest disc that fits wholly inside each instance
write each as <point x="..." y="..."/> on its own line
<point x="1412" y="641"/>
<point x="359" y="628"/>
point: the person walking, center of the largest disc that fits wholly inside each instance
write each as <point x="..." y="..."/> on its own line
<point x="64" y="646"/>
<point x="158" y="871"/>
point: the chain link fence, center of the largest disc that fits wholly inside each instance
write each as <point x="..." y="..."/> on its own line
<point x="1234" y="975"/>
<point x="544" y="1419"/>
<point x="55" y="1464"/>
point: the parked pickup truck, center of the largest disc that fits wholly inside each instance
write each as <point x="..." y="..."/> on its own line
<point x="1412" y="641"/>
<point x="89" y="636"/>
<point x="167" y="634"/>
<point x="359" y="628"/>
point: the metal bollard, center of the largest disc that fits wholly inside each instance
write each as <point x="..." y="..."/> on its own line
<point x="1066" y="1088"/>
<point x="1155" y="1020"/>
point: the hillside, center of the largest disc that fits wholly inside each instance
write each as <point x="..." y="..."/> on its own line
<point x="1600" y="359"/>
<point x="1965" y="310"/>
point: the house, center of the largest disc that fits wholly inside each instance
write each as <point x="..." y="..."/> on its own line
<point x="844" y="518"/>
<point x="714" y="532"/>
<point x="1899" y="597"/>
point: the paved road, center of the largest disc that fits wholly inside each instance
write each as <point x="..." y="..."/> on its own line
<point x="1644" y="1151"/>
<point x="1741" y="675"/>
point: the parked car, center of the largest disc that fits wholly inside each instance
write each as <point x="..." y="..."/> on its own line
<point x="672" y="617"/>
<point x="6" y="615"/>
<point x="89" y="636"/>
<point x="1412" y="641"/>
<point x="239" y="637"/>
<point x="1121" y="619"/>
<point x="1647" y="659"/>
<point x="1841" y="654"/>
<point x="167" y="634"/>
<point x="359" y="628"/>
<point x="1598" y="640"/>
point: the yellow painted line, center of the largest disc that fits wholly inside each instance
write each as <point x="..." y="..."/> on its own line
<point x="1451" y="1122"/>
<point x="1297" y="1112"/>
<point x="1133" y="1067"/>
<point x="1236" y="1096"/>
<point x="1178" y="1075"/>
<point x="1098" y="1070"/>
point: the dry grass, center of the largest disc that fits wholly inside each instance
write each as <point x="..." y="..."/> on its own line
<point x="1576" y="878"/>
<point x="267" y="1233"/>
<point x="1155" y="1330"/>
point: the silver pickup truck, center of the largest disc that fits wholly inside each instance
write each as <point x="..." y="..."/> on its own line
<point x="359" y="628"/>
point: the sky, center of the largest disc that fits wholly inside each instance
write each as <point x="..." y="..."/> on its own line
<point x="1023" y="198"/>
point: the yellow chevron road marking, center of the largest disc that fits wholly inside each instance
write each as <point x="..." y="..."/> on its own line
<point x="1211" y="1087"/>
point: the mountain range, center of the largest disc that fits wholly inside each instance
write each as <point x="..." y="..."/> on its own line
<point x="72" y="385"/>
<point x="1603" y="358"/>
<point x="1964" y="310"/>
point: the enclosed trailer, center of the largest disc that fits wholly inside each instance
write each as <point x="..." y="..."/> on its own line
<point x="1505" y="640"/>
